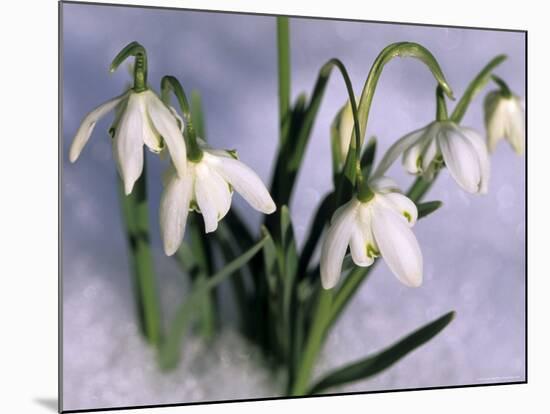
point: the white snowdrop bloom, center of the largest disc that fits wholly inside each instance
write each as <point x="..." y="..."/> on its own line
<point x="380" y="226"/>
<point x="461" y="149"/>
<point x="141" y="118"/>
<point x="504" y="118"/>
<point x="207" y="187"/>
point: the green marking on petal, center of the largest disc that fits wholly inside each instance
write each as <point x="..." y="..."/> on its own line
<point x="419" y="163"/>
<point x="407" y="216"/>
<point x="372" y="252"/>
<point x="233" y="153"/>
<point x="194" y="206"/>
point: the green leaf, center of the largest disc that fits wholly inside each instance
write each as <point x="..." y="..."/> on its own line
<point x="284" y="175"/>
<point x="270" y="260"/>
<point x="229" y="249"/>
<point x="283" y="60"/>
<point x="171" y="347"/>
<point x="375" y="364"/>
<point x="427" y="208"/>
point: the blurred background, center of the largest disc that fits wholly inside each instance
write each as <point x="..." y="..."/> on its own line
<point x="474" y="247"/>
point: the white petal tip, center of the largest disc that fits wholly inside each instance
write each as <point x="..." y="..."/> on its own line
<point x="210" y="228"/>
<point x="270" y="208"/>
<point x="128" y="187"/>
<point x="327" y="285"/>
<point x="412" y="282"/>
<point x="328" y="281"/>
<point x="170" y="250"/>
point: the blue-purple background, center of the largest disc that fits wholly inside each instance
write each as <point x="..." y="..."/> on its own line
<point x="473" y="247"/>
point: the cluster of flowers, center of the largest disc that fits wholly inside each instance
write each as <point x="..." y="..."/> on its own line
<point x="377" y="225"/>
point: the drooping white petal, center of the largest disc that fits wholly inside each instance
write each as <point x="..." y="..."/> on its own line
<point x="430" y="152"/>
<point x="179" y="119"/>
<point x="244" y="180"/>
<point x="402" y="205"/>
<point x="516" y="125"/>
<point x="336" y="242"/>
<point x="88" y="123"/>
<point x="494" y="120"/>
<point x="358" y="246"/>
<point x="398" y="148"/>
<point x="398" y="246"/>
<point x="165" y="124"/>
<point x="151" y="138"/>
<point x="361" y="237"/>
<point x="212" y="195"/>
<point x="483" y="157"/>
<point x="383" y="185"/>
<point x="174" y="208"/>
<point x="460" y="157"/>
<point x="412" y="157"/>
<point x="128" y="144"/>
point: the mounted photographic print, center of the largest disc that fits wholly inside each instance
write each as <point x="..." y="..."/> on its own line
<point x="258" y="206"/>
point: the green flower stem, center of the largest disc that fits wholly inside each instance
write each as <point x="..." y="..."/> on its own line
<point x="283" y="59"/>
<point x="419" y="188"/>
<point x="137" y="51"/>
<point x="475" y="86"/>
<point x="504" y="89"/>
<point x="171" y="84"/>
<point x="400" y="49"/>
<point x="314" y="343"/>
<point x="441" y="106"/>
<point x="135" y="214"/>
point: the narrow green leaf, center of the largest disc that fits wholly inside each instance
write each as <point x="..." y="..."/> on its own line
<point x="288" y="264"/>
<point x="427" y="208"/>
<point x="270" y="260"/>
<point x="171" y="347"/>
<point x="375" y="364"/>
<point x="283" y="60"/>
<point x="284" y="176"/>
<point x="229" y="249"/>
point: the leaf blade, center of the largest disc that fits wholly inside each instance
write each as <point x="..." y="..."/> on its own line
<point x="372" y="365"/>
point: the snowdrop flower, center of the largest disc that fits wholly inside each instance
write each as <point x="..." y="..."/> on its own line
<point x="504" y="119"/>
<point x="380" y="226"/>
<point x="141" y="119"/>
<point x="461" y="149"/>
<point x="207" y="187"/>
